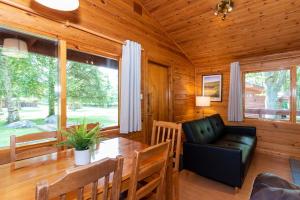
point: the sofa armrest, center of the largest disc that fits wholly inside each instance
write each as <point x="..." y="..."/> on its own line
<point x="243" y="130"/>
<point x="223" y="164"/>
<point x="268" y="186"/>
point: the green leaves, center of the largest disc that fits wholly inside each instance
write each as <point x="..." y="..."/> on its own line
<point x="81" y="138"/>
<point x="89" y="84"/>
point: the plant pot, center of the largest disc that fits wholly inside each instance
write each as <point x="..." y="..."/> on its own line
<point x="82" y="157"/>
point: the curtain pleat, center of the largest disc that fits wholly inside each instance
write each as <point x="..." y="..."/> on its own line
<point x="235" y="104"/>
<point x="130" y="112"/>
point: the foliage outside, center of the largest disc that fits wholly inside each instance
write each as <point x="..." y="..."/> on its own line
<point x="29" y="93"/>
<point x="272" y="88"/>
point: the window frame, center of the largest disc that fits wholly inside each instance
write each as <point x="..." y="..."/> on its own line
<point x="62" y="46"/>
<point x="95" y="53"/>
<point x="3" y="149"/>
<point x="265" y="67"/>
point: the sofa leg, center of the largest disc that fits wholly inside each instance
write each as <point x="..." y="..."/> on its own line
<point x="236" y="189"/>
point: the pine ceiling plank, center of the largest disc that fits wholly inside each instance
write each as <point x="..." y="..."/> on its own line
<point x="254" y="27"/>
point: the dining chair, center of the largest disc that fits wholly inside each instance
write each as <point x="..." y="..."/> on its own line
<point x="146" y="163"/>
<point x="32" y="145"/>
<point x="163" y="131"/>
<point x="80" y="177"/>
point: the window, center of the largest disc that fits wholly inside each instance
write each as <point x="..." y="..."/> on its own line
<point x="28" y="79"/>
<point x="29" y="91"/>
<point x="92" y="89"/>
<point x="267" y="95"/>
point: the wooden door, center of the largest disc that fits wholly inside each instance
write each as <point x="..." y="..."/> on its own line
<point x="158" y="95"/>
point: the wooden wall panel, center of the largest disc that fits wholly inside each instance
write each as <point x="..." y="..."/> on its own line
<point x="113" y="19"/>
<point x="276" y="138"/>
<point x="184" y="93"/>
<point x="253" y="28"/>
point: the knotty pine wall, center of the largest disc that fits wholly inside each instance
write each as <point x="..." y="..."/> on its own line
<point x="115" y="19"/>
<point x="274" y="138"/>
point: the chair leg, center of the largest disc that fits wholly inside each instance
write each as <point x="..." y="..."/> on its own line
<point x="169" y="181"/>
<point x="176" y="185"/>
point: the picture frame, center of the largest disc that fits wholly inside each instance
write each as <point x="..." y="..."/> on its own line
<point x="212" y="87"/>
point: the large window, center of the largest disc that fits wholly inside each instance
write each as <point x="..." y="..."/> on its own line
<point x="92" y="89"/>
<point x="267" y="95"/>
<point x="28" y="79"/>
<point x="29" y="89"/>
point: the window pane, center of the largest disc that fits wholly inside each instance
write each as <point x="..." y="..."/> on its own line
<point x="267" y="95"/>
<point x="28" y="78"/>
<point x="92" y="89"/>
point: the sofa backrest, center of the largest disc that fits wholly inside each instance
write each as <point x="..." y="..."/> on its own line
<point x="199" y="131"/>
<point x="217" y="124"/>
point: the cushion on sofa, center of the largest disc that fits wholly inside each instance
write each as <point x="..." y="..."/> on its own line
<point x="217" y="124"/>
<point x="199" y="131"/>
<point x="245" y="143"/>
<point x="246" y="149"/>
<point x="243" y="139"/>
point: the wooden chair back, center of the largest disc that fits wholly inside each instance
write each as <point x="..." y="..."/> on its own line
<point x="32" y="145"/>
<point x="151" y="162"/>
<point x="89" y="126"/>
<point x="79" y="177"/>
<point x="163" y="131"/>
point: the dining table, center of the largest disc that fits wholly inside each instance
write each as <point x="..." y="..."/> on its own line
<point x="18" y="180"/>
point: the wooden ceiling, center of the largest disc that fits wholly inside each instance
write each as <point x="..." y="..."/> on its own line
<point x="255" y="27"/>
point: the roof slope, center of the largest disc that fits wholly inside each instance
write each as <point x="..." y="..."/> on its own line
<point x="256" y="27"/>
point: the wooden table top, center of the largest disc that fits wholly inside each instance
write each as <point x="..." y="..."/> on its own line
<point x="19" y="181"/>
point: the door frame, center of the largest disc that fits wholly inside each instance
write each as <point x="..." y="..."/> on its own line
<point x="146" y="93"/>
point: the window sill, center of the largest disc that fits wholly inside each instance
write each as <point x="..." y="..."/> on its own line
<point x="267" y="120"/>
<point x="261" y="121"/>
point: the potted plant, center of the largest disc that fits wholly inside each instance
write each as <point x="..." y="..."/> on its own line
<point x="83" y="141"/>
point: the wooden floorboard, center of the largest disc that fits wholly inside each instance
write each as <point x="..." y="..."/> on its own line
<point x="194" y="187"/>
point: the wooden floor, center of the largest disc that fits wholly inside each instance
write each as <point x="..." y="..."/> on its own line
<point x="194" y="187"/>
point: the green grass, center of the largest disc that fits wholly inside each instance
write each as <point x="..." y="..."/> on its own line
<point x="104" y="121"/>
<point x="5" y="132"/>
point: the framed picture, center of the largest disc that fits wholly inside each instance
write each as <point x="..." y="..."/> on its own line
<point x="212" y="87"/>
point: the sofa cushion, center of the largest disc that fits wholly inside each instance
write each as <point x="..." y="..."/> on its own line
<point x="217" y="124"/>
<point x="199" y="131"/>
<point x="246" y="149"/>
<point x="245" y="143"/>
<point x="243" y="139"/>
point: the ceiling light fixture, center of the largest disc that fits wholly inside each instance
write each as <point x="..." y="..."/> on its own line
<point x="223" y="8"/>
<point x="61" y="5"/>
<point x="13" y="47"/>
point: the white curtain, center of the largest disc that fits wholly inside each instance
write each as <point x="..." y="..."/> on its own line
<point x="235" y="104"/>
<point x="130" y="112"/>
